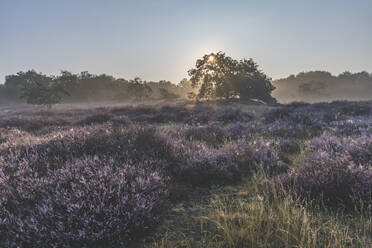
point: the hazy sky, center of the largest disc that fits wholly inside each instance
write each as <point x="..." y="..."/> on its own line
<point x="158" y="39"/>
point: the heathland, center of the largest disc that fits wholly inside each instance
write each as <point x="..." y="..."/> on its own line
<point x="187" y="174"/>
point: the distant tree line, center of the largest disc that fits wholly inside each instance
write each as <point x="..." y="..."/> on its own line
<point x="215" y="76"/>
<point x="316" y="86"/>
<point x="37" y="88"/>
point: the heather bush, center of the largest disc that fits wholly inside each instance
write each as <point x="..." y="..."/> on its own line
<point x="351" y="108"/>
<point x="360" y="150"/>
<point x="306" y="116"/>
<point x="276" y="114"/>
<point x="96" y="119"/>
<point x="293" y="121"/>
<point x="335" y="182"/>
<point x="352" y="126"/>
<point x="201" y="115"/>
<point x="284" y="129"/>
<point x="212" y="134"/>
<point x="133" y="144"/>
<point x="240" y="129"/>
<point x="289" y="146"/>
<point x="228" y="115"/>
<point x="174" y="113"/>
<point x="75" y="200"/>
<point x="89" y="201"/>
<point x="253" y="156"/>
<point x="331" y="145"/>
<point x="200" y="165"/>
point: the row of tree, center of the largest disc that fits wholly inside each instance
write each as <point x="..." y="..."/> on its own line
<point x="314" y="86"/>
<point x="215" y="76"/>
<point x="40" y="89"/>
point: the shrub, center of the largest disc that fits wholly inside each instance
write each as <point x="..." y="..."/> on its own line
<point x="289" y="146"/>
<point x="228" y="115"/>
<point x="87" y="202"/>
<point x="201" y="115"/>
<point x="239" y="130"/>
<point x="200" y="165"/>
<point x="360" y="150"/>
<point x="133" y="145"/>
<point x="331" y="145"/>
<point x="333" y="181"/>
<point x="253" y="156"/>
<point x="212" y="134"/>
<point x="276" y="114"/>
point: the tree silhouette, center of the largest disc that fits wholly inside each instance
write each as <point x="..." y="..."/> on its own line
<point x="220" y="76"/>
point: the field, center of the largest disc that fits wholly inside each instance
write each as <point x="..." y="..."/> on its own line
<point x="187" y="175"/>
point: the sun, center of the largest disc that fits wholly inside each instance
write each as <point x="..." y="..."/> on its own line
<point x="211" y="58"/>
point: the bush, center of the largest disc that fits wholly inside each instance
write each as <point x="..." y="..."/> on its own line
<point x="331" y="145"/>
<point x="212" y="134"/>
<point x="359" y="149"/>
<point x="289" y="146"/>
<point x="200" y="165"/>
<point x="253" y="156"/>
<point x="88" y="201"/>
<point x="240" y="129"/>
<point x="336" y="182"/>
<point x="229" y="115"/>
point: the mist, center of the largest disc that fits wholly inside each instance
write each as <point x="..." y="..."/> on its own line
<point x="320" y="86"/>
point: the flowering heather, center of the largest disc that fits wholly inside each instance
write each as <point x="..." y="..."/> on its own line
<point x="331" y="145"/>
<point x="240" y="129"/>
<point x="94" y="177"/>
<point x="89" y="200"/>
<point x="289" y="146"/>
<point x="201" y="165"/>
<point x="359" y="149"/>
<point x="333" y="181"/>
<point x="212" y="134"/>
<point x="253" y="156"/>
<point x="353" y="126"/>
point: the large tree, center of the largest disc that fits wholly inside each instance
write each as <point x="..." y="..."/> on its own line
<point x="220" y="76"/>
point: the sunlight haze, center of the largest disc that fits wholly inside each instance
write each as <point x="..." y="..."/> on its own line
<point x="162" y="39"/>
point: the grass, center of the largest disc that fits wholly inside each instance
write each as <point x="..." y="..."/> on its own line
<point x="247" y="215"/>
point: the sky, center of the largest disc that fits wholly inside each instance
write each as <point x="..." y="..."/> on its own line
<point x="160" y="39"/>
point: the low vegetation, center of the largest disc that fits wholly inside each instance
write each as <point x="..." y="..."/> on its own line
<point x="106" y="176"/>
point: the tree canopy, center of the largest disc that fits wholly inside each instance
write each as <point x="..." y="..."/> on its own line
<point x="39" y="89"/>
<point x="220" y="76"/>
